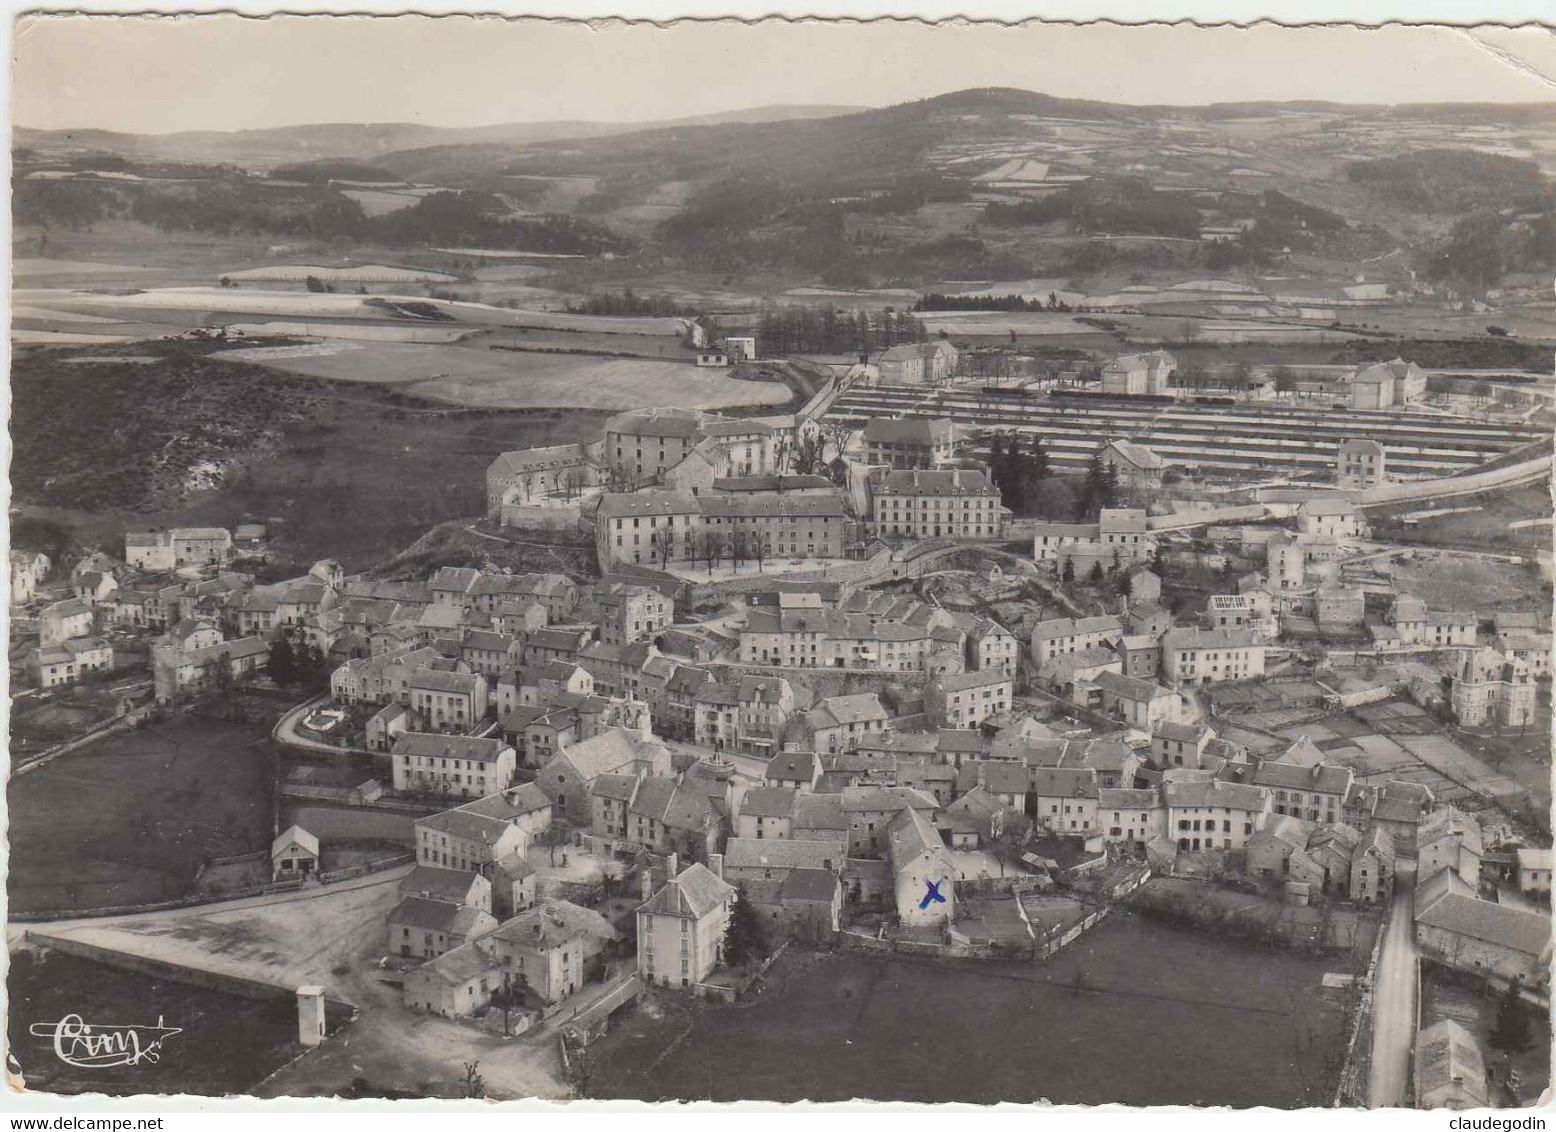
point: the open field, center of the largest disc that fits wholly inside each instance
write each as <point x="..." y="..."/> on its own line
<point x="505" y="379"/>
<point x="376" y="272"/>
<point x="366" y="332"/>
<point x="354" y="472"/>
<point x="128" y="820"/>
<point x="38" y="268"/>
<point x="336" y="824"/>
<point x="1000" y="322"/>
<point x="220" y="305"/>
<point x="373" y="479"/>
<point x="228" y="1043"/>
<point x="509" y="273"/>
<point x="643" y="345"/>
<point x="66" y="338"/>
<point x="839" y="1026"/>
<point x="23" y="314"/>
<point x="37" y="723"/>
<point x="1487" y="522"/>
<point x="1448" y="581"/>
<point x="381" y="202"/>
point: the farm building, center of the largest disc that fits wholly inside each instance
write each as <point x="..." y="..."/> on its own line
<point x="1450" y="1071"/>
<point x="1456" y="928"/>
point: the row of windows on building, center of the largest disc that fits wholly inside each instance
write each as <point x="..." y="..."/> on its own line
<point x="456" y="779"/>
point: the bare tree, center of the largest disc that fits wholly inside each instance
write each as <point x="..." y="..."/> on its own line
<point x="838" y="432"/>
<point x="761" y="547"/>
<point x="710" y="547"/>
<point x="661" y="545"/>
<point x="806" y="458"/>
<point x="528" y="480"/>
<point x="739" y="547"/>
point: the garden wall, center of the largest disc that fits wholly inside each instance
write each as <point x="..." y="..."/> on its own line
<point x="161" y="969"/>
<point x="565" y="517"/>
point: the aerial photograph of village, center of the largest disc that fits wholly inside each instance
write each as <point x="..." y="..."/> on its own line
<point x="776" y="562"/>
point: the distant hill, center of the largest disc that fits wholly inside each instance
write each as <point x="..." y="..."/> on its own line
<point x="359" y="141"/>
<point x="980" y="184"/>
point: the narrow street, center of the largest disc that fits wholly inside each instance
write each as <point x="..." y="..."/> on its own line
<point x="1394" y="998"/>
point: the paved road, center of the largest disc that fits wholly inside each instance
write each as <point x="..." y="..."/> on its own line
<point x="1394" y="1000"/>
<point x="285" y="730"/>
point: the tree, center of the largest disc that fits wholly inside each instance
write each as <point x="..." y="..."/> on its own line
<point x="528" y="481"/>
<point x="313" y="671"/>
<point x="661" y="545"/>
<point x="511" y="997"/>
<point x="1067" y="574"/>
<point x="282" y="662"/>
<point x="806" y="457"/>
<point x="838" y="432"/>
<point x="474" y="1084"/>
<point x="1037" y="467"/>
<point x="1094" y="495"/>
<point x="761" y="547"/>
<point x="224" y="673"/>
<point x="1097" y="575"/>
<point x="315" y="284"/>
<point x="745" y="938"/>
<point x="710" y="547"/>
<point x="739" y="547"/>
<point x="1285" y="379"/>
<point x="1110" y="486"/>
<point x="1511" y="1033"/>
<point x="1053" y="497"/>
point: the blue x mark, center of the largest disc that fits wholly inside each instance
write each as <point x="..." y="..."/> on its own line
<point x="933" y="895"/>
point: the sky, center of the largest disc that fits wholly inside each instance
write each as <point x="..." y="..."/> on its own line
<point x="224" y="72"/>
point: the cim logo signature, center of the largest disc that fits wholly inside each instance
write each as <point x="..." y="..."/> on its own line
<point x="89" y="1046"/>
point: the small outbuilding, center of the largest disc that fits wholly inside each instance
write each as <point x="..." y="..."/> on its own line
<point x="294" y="854"/>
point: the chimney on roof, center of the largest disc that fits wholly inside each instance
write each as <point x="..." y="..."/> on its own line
<point x="646" y="883"/>
<point x="716" y="864"/>
<point x="672" y="866"/>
